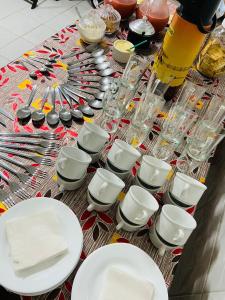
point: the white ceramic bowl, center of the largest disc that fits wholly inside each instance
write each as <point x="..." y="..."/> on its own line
<point x="119" y="54"/>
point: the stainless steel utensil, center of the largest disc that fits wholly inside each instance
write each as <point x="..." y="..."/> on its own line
<point x="26" y="179"/>
<point x="15" y="187"/>
<point x="64" y="114"/>
<point x="43" y="135"/>
<point x="97" y="60"/>
<point x="46" y="64"/>
<point x="76" y="113"/>
<point x="89" y="48"/>
<point x="37" y="116"/>
<point x="24" y="112"/>
<point x="98" y="67"/>
<point x="33" y="171"/>
<point x="6" y="114"/>
<point x="37" y="159"/>
<point x="104" y="73"/>
<point x="99" y="95"/>
<point x="52" y="116"/>
<point x="39" y="150"/>
<point x="44" y="144"/>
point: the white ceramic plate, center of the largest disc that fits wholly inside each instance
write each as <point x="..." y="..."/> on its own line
<point x="50" y="276"/>
<point x="88" y="281"/>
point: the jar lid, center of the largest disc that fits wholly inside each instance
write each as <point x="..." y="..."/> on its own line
<point x="142" y="26"/>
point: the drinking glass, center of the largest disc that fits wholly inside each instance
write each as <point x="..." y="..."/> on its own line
<point x="190" y="94"/>
<point x="156" y="86"/>
<point x="175" y="127"/>
<point x="202" y="141"/>
<point x="216" y="110"/>
<point x="135" y="69"/>
<point x="136" y="134"/>
<point x="114" y="103"/>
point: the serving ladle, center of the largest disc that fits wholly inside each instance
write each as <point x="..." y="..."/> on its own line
<point x="77" y="115"/>
<point x="38" y="116"/>
<point x="52" y="116"/>
<point x="24" y="112"/>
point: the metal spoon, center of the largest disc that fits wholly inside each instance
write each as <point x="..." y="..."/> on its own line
<point x="33" y="75"/>
<point x="76" y="113"/>
<point x="86" y="110"/>
<point x="52" y="116"/>
<point x="98" y="96"/>
<point x="96" y="104"/>
<point x="64" y="114"/>
<point x="47" y="64"/>
<point x="102" y="73"/>
<point x="101" y="81"/>
<point x="89" y="48"/>
<point x="97" y="67"/>
<point x="97" y="60"/>
<point x="24" y="112"/>
<point x="102" y="88"/>
<point x="94" y="54"/>
<point x="37" y="116"/>
<point x="50" y="59"/>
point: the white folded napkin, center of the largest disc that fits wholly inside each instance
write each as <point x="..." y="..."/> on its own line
<point x="34" y="239"/>
<point x="120" y="285"/>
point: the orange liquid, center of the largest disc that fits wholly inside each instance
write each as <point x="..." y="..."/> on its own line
<point x="158" y="23"/>
<point x="124" y="7"/>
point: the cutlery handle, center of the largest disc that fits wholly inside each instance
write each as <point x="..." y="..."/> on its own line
<point x="65" y="96"/>
<point x="10" y="151"/>
<point x="45" y="97"/>
<point x="28" y="135"/>
<point x="22" y="141"/>
<point x="32" y="94"/>
<point x="73" y="53"/>
<point x="76" y="94"/>
<point x="53" y="98"/>
<point x="4" y="177"/>
<point x="12" y="146"/>
<point x="17" y="163"/>
<point x="6" y="167"/>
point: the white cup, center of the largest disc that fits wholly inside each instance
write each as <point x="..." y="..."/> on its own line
<point x="72" y="162"/>
<point x="122" y="155"/>
<point x="138" y="206"/>
<point x="105" y="186"/>
<point x="174" y="225"/>
<point x="154" y="171"/>
<point x="187" y="189"/>
<point x="98" y="206"/>
<point x="92" y="137"/>
<point x="126" y="226"/>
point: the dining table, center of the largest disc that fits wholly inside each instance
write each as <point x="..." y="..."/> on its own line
<point x="99" y="228"/>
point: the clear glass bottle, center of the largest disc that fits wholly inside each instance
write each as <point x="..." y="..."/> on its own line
<point x="211" y="62"/>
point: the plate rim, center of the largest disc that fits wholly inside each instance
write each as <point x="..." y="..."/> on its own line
<point x="73" y="266"/>
<point x="111" y="246"/>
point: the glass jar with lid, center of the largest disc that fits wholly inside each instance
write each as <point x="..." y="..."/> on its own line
<point x="211" y="62"/>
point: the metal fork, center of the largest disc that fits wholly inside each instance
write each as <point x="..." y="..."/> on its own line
<point x="15" y="187"/>
<point x="30" y="169"/>
<point x="26" y="179"/>
<point x="39" y="160"/>
<point x="39" y="150"/>
<point x="45" y="144"/>
<point x="43" y="135"/>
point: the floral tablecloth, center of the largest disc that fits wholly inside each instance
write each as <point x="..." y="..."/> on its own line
<point x="99" y="228"/>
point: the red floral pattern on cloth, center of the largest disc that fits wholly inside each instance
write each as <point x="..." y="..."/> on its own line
<point x="98" y="228"/>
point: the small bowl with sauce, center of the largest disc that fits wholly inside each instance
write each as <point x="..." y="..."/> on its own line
<point x="122" y="51"/>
